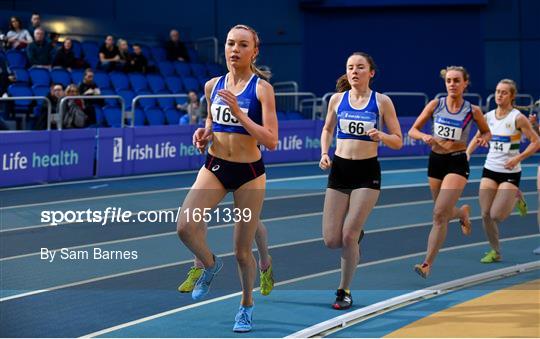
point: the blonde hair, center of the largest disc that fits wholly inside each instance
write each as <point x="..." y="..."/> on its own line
<point x="342" y="83"/>
<point x="455" y="68"/>
<point x="74" y="88"/>
<point x="260" y="73"/>
<point x="513" y="87"/>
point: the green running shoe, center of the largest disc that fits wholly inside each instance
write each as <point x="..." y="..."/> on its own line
<point x="267" y="281"/>
<point x="192" y="276"/>
<point x="491" y="257"/>
<point x="521" y="204"/>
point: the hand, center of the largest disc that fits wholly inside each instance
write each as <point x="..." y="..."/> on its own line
<point x="428" y="139"/>
<point x="375" y="134"/>
<point x="201" y="137"/>
<point x="533" y="119"/>
<point x="481" y="142"/>
<point x="511" y="163"/>
<point x="231" y="100"/>
<point x="325" y="162"/>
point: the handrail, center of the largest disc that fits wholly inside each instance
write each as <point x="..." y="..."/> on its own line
<point x="315" y="108"/>
<point x="88" y="97"/>
<point x="151" y="96"/>
<point x="294" y="85"/>
<point x="409" y="94"/>
<point x="325" y="102"/>
<point x="296" y="95"/>
<point x="474" y="95"/>
<point x="529" y="107"/>
<point x="49" y="105"/>
<point x="214" y="41"/>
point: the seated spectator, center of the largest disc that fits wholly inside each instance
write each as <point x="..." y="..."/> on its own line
<point x="123" y="52"/>
<point x="54" y="40"/>
<point x="17" y="37"/>
<point x="138" y="62"/>
<point x="74" y="115"/>
<point x="55" y="95"/>
<point x="65" y="57"/>
<point x="89" y="87"/>
<point x="109" y="57"/>
<point x="193" y="108"/>
<point x="35" y="22"/>
<point x="40" y="52"/>
<point x="176" y="50"/>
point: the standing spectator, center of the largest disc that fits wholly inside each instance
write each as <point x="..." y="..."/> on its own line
<point x="40" y="52"/>
<point x="18" y="37"/>
<point x="176" y="50"/>
<point x="35" y="22"/>
<point x="65" y="57"/>
<point x="109" y="57"/>
<point x="138" y="62"/>
<point x="123" y="52"/>
<point x="193" y="108"/>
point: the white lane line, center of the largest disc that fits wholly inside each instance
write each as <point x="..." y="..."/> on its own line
<point x="229" y="296"/>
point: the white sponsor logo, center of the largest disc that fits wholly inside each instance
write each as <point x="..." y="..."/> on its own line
<point x="117" y="149"/>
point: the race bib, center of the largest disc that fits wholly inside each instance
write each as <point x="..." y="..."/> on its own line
<point x="221" y="114"/>
<point x="447" y="128"/>
<point x="355" y="127"/>
<point x="500" y="144"/>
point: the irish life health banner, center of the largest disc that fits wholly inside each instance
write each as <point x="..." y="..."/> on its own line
<point x="32" y="157"/>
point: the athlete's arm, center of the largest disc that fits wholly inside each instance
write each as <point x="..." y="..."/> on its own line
<point x="202" y="136"/>
<point x="415" y="131"/>
<point x="472" y="145"/>
<point x="525" y="126"/>
<point x="483" y="128"/>
<point x="328" y="131"/>
<point x="393" y="140"/>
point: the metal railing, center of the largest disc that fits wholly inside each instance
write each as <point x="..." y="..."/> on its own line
<point x="325" y="101"/>
<point x="23" y="117"/>
<point x="529" y="107"/>
<point x="214" y="46"/>
<point x="289" y="101"/>
<point x="62" y="102"/>
<point x="135" y="100"/>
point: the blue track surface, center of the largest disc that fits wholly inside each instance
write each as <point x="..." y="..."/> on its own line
<point x="73" y="298"/>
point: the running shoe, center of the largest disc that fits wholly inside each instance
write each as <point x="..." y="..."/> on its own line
<point x="465" y="222"/>
<point x="202" y="286"/>
<point x="242" y="321"/>
<point x="521" y="204"/>
<point x="192" y="277"/>
<point x="343" y="300"/>
<point x="267" y="281"/>
<point x="423" y="270"/>
<point x="537" y="250"/>
<point x="491" y="257"/>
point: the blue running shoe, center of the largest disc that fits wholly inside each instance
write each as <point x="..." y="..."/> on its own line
<point x="202" y="286"/>
<point x="242" y="321"/>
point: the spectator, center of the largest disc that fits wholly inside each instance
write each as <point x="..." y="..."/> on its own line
<point x="55" y="95"/>
<point x="123" y="52"/>
<point x="89" y="87"/>
<point x="35" y="22"/>
<point x="74" y="116"/>
<point x="176" y="50"/>
<point x="54" y="40"/>
<point x="109" y="57"/>
<point x="40" y="52"/>
<point x="138" y="62"/>
<point x="18" y="37"/>
<point x="193" y="108"/>
<point x="65" y="57"/>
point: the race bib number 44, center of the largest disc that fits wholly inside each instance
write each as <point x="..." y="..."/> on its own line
<point x="447" y="128"/>
<point x="500" y="144"/>
<point x="222" y="115"/>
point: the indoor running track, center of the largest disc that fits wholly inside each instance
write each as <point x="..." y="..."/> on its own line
<point x="134" y="298"/>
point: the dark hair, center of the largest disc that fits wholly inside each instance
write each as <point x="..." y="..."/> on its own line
<point x="342" y="83"/>
<point x="88" y="70"/>
<point x="136" y="45"/>
<point x="260" y="73"/>
<point x="18" y="20"/>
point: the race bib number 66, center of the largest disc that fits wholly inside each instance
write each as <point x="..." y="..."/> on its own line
<point x="355" y="127"/>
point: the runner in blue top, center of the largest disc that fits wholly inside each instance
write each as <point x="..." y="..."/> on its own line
<point x="448" y="168"/>
<point x="242" y="115"/>
<point x="354" y="182"/>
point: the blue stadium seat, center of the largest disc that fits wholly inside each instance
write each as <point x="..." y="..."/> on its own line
<point x="119" y="80"/>
<point x="60" y="76"/>
<point x="91" y="51"/>
<point x="193" y="55"/>
<point x="295" y="116"/>
<point x="102" y="80"/>
<point x="21" y="75"/>
<point x="40" y="90"/>
<point x="174" y="84"/>
<point x="166" y="68"/>
<point x="110" y="102"/>
<point x="199" y="70"/>
<point x="215" y="70"/>
<point x="20" y="90"/>
<point x="154" y="116"/>
<point x="138" y="81"/>
<point x="191" y="84"/>
<point x="148" y="102"/>
<point x="16" y="59"/>
<point x="77" y="76"/>
<point x="184" y="120"/>
<point x="40" y="76"/>
<point x="158" y="53"/>
<point x="166" y="102"/>
<point x="100" y="116"/>
<point x="139" y="117"/>
<point x="128" y="96"/>
<point x="77" y="48"/>
<point x="156" y="82"/>
<point x="113" y="116"/>
<point x="172" y="116"/>
<point x="182" y="68"/>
